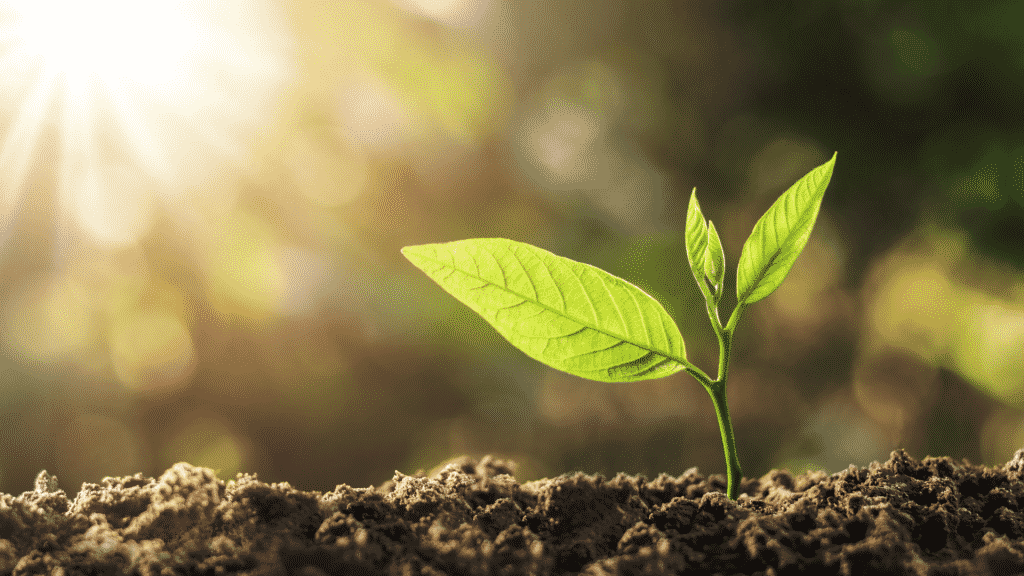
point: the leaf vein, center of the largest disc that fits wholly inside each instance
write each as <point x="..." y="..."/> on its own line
<point x="586" y="294"/>
<point x="643" y="321"/>
<point x="555" y="282"/>
<point x="615" y="303"/>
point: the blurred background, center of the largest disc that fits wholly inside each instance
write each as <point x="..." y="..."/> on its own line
<point x="203" y="205"/>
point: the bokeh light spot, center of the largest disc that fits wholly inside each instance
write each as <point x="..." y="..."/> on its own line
<point x="207" y="440"/>
<point x="243" y="275"/>
<point x="370" y="113"/>
<point x="989" y="350"/>
<point x="50" y="320"/>
<point x="455" y="13"/>
<point x="324" y="172"/>
<point x="911" y="50"/>
<point x="113" y="204"/>
<point x="151" y="350"/>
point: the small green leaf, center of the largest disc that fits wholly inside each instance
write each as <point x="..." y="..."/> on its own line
<point x="780" y="235"/>
<point x="569" y="315"/>
<point x="696" y="241"/>
<point x="714" y="262"/>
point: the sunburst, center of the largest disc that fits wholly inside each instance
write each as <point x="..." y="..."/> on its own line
<point x="146" y="99"/>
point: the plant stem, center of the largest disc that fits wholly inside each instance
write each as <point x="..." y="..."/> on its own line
<point x="734" y="473"/>
<point x="716" y="389"/>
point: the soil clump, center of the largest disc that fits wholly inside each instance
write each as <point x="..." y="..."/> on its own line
<point x="471" y="517"/>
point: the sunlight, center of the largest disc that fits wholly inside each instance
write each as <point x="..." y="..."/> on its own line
<point x="85" y="38"/>
<point x="145" y="99"/>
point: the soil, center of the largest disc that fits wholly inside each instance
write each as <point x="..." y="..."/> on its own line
<point x="935" y="517"/>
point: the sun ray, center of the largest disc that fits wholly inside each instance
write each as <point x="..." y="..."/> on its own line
<point x="149" y="99"/>
<point x="20" y="143"/>
<point x="140" y="129"/>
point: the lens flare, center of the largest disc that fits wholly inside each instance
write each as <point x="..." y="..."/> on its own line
<point x="145" y="100"/>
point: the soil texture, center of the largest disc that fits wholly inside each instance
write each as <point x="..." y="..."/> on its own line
<point x="933" y="517"/>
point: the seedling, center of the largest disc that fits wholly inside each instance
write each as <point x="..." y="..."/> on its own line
<point x="582" y="320"/>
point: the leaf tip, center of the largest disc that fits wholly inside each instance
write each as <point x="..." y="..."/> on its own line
<point x="832" y="161"/>
<point x="415" y="252"/>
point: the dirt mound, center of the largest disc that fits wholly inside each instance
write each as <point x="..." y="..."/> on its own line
<point x="473" y="518"/>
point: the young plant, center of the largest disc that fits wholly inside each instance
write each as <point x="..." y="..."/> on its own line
<point x="582" y="320"/>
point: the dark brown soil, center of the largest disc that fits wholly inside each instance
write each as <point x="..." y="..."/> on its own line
<point x="473" y="518"/>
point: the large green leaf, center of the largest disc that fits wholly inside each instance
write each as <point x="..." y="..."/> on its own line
<point x="780" y="235"/>
<point x="569" y="315"/>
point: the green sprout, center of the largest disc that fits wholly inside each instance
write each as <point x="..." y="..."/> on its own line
<point x="584" y="321"/>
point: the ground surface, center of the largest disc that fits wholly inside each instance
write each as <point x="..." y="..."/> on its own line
<point x="933" y="517"/>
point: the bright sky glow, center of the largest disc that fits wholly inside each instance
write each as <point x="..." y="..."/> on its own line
<point x="80" y="39"/>
<point x="146" y="99"/>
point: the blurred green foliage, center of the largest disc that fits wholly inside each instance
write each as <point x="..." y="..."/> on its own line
<point x="228" y="289"/>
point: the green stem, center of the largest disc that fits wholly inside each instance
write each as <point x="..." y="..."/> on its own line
<point x="725" y="342"/>
<point x="716" y="389"/>
<point x="696" y="372"/>
<point x="734" y="472"/>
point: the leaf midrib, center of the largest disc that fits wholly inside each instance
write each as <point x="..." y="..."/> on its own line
<point x="778" y="251"/>
<point x="487" y="282"/>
